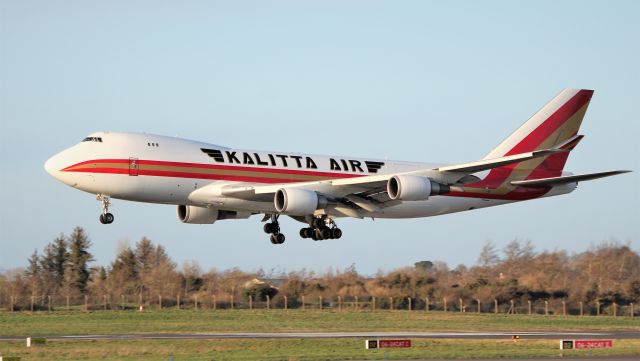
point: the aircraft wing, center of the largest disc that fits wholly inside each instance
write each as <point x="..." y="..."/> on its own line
<point x="356" y="194"/>
<point x="553" y="181"/>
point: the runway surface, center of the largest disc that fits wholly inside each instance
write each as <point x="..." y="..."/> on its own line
<point x="317" y="335"/>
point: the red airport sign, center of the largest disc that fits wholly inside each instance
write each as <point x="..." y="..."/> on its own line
<point x="372" y="344"/>
<point x="585" y="344"/>
<point x="394" y="343"/>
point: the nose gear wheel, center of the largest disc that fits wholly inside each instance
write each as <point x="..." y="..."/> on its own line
<point x="105" y="216"/>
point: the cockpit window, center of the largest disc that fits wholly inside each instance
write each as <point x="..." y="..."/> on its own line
<point x="92" y="139"/>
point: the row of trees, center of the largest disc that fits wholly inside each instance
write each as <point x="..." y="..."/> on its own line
<point x="607" y="273"/>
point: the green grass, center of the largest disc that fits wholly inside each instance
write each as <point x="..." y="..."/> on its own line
<point x="305" y="349"/>
<point x="193" y="321"/>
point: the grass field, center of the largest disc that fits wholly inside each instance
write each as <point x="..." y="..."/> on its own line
<point x="301" y="349"/>
<point x="191" y="321"/>
<point x="110" y="322"/>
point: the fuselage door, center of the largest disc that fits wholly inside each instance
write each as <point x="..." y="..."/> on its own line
<point x="133" y="166"/>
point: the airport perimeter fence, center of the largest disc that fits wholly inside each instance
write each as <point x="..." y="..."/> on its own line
<point x="50" y="303"/>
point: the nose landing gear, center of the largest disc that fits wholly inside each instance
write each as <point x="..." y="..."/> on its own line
<point x="105" y="216"/>
<point x="274" y="229"/>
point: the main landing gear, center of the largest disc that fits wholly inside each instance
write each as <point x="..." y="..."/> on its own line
<point x="105" y="217"/>
<point x="274" y="229"/>
<point x="321" y="228"/>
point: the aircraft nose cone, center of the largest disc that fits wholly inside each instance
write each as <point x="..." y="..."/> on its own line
<point x="52" y="166"/>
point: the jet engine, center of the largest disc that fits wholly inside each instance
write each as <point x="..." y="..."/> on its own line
<point x="197" y="215"/>
<point x="414" y="188"/>
<point x="298" y="202"/>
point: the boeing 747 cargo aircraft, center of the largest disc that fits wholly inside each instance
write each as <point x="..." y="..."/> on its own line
<point x="209" y="182"/>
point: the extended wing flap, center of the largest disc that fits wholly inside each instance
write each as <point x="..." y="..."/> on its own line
<point x="553" y="181"/>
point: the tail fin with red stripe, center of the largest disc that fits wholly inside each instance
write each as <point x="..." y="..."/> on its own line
<point x="554" y="126"/>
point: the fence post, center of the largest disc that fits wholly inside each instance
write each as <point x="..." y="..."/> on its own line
<point x="104" y="301"/>
<point x="632" y="310"/>
<point x="478" y="300"/>
<point x="178" y="299"/>
<point x="512" y="307"/>
<point x="232" y="305"/>
<point x="250" y="302"/>
<point x="546" y="307"/>
<point x="564" y="308"/>
<point x="32" y="302"/>
<point x="615" y="309"/>
<point x="426" y="304"/>
<point x="444" y="300"/>
<point x="391" y="303"/>
<point x="49" y="298"/>
<point x="597" y="308"/>
<point x="286" y="303"/>
<point x="409" y="300"/>
<point x="320" y="302"/>
<point x="530" y="308"/>
<point x="121" y="299"/>
<point x="160" y="302"/>
<point x="373" y="303"/>
<point x="461" y="305"/>
<point x="86" y="303"/>
<point x="303" y="302"/>
<point x="268" y="302"/>
<point x="339" y="303"/>
<point x="68" y="307"/>
<point x="495" y="305"/>
<point x="581" y="308"/>
<point x="357" y="304"/>
<point x="215" y="303"/>
<point x="11" y="303"/>
<point x="196" y="302"/>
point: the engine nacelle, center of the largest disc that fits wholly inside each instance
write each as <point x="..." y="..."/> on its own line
<point x="298" y="202"/>
<point x="197" y="215"/>
<point x="414" y="188"/>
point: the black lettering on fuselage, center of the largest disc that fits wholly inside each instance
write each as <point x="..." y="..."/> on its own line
<point x="344" y="164"/>
<point x="334" y="165"/>
<point x="231" y="156"/>
<point x="297" y="158"/>
<point x="272" y="159"/>
<point x="258" y="160"/>
<point x="355" y="164"/>
<point x="247" y="158"/>
<point x="311" y="164"/>
<point x="283" y="158"/>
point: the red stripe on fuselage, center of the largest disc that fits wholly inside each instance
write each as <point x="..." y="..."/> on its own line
<point x="283" y="173"/>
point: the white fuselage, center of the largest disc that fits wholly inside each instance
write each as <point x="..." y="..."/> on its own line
<point x="160" y="169"/>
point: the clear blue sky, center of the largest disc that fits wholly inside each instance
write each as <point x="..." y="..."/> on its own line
<point x="414" y="80"/>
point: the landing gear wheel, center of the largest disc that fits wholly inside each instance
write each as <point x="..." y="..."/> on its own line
<point x="318" y="223"/>
<point x="336" y="233"/>
<point x="105" y="217"/>
<point x="268" y="228"/>
<point x="273" y="228"/>
<point x="303" y="233"/>
<point x="108" y="218"/>
<point x="325" y="233"/>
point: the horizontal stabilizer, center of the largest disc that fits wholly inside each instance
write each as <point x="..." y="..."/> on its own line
<point x="553" y="181"/>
